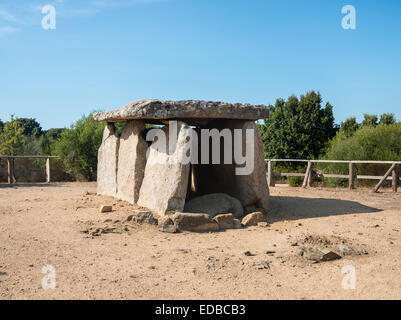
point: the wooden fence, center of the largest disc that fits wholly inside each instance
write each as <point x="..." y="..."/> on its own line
<point x="308" y="176"/>
<point x="11" y="168"/>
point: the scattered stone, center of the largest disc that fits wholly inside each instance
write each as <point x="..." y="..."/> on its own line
<point x="294" y="244"/>
<point x="165" y="221"/>
<point x="252" y="219"/>
<point x="263" y="224"/>
<point x="263" y="265"/>
<point x="248" y="254"/>
<point x="3" y="273"/>
<point x="237" y="224"/>
<point x="225" y="221"/>
<point x="270" y="252"/>
<point x="194" y="222"/>
<point x="168" y="229"/>
<point x="104" y="208"/>
<point x="142" y="217"/>
<point x="346" y="250"/>
<point x="318" y="253"/>
<point x="215" y="204"/>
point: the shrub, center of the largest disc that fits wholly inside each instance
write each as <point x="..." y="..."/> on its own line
<point x="78" y="148"/>
<point x="381" y="142"/>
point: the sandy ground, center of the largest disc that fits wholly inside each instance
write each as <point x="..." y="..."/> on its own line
<point x="43" y="225"/>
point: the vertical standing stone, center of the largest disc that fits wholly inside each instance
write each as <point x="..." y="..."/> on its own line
<point x="107" y="162"/>
<point x="131" y="161"/>
<point x="165" y="183"/>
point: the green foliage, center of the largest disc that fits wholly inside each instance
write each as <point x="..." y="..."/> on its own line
<point x="370" y="120"/>
<point x="381" y="142"/>
<point x="48" y="138"/>
<point x="1" y="126"/>
<point x="298" y="128"/>
<point x="349" y="126"/>
<point x="295" y="181"/>
<point x="78" y="148"/>
<point x="31" y="126"/>
<point x="387" y="118"/>
<point x="12" y="138"/>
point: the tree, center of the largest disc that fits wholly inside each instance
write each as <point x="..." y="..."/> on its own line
<point x="1" y="126"/>
<point x="11" y="138"/>
<point x="349" y="126"/>
<point x="370" y="120"/>
<point x="78" y="147"/>
<point x="31" y="126"/>
<point x="298" y="128"/>
<point x="387" y="118"/>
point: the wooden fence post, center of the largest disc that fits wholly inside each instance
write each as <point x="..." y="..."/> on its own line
<point x="47" y="170"/>
<point x="270" y="179"/>
<point x="395" y="179"/>
<point x="308" y="175"/>
<point x="351" y="176"/>
<point x="10" y="171"/>
<point x="384" y="178"/>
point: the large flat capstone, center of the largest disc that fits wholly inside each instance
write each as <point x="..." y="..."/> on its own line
<point x="185" y="109"/>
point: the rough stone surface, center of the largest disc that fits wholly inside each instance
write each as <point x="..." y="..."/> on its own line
<point x="107" y="162"/>
<point x="165" y="221"/>
<point x="194" y="222"/>
<point x="168" y="229"/>
<point x="237" y="224"/>
<point x="186" y="109"/>
<point x="105" y="208"/>
<point x="318" y="253"/>
<point x="252" y="219"/>
<point x="346" y="250"/>
<point x="214" y="204"/>
<point x="225" y="221"/>
<point x="263" y="224"/>
<point x="131" y="161"/>
<point x="165" y="183"/>
<point x="142" y="217"/>
<point x="250" y="189"/>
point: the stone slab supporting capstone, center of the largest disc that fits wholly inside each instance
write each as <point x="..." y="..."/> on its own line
<point x="251" y="189"/>
<point x="165" y="183"/>
<point x="108" y="162"/>
<point x="131" y="161"/>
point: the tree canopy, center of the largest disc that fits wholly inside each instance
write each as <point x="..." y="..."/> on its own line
<point x="11" y="138"/>
<point x="298" y="128"/>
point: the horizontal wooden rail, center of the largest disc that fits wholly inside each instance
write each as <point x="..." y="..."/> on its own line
<point x="27" y="157"/>
<point x="11" y="167"/>
<point x="308" y="176"/>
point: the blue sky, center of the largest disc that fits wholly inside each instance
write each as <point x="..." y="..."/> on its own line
<point x="104" y="54"/>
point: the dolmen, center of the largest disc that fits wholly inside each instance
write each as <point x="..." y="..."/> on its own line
<point x="184" y="156"/>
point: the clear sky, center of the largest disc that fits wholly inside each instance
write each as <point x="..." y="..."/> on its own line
<point x="104" y="54"/>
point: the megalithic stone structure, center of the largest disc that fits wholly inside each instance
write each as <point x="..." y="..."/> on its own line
<point x="140" y="172"/>
<point x="131" y="161"/>
<point x="107" y="162"/>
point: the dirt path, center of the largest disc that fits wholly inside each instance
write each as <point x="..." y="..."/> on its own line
<point x="42" y="225"/>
